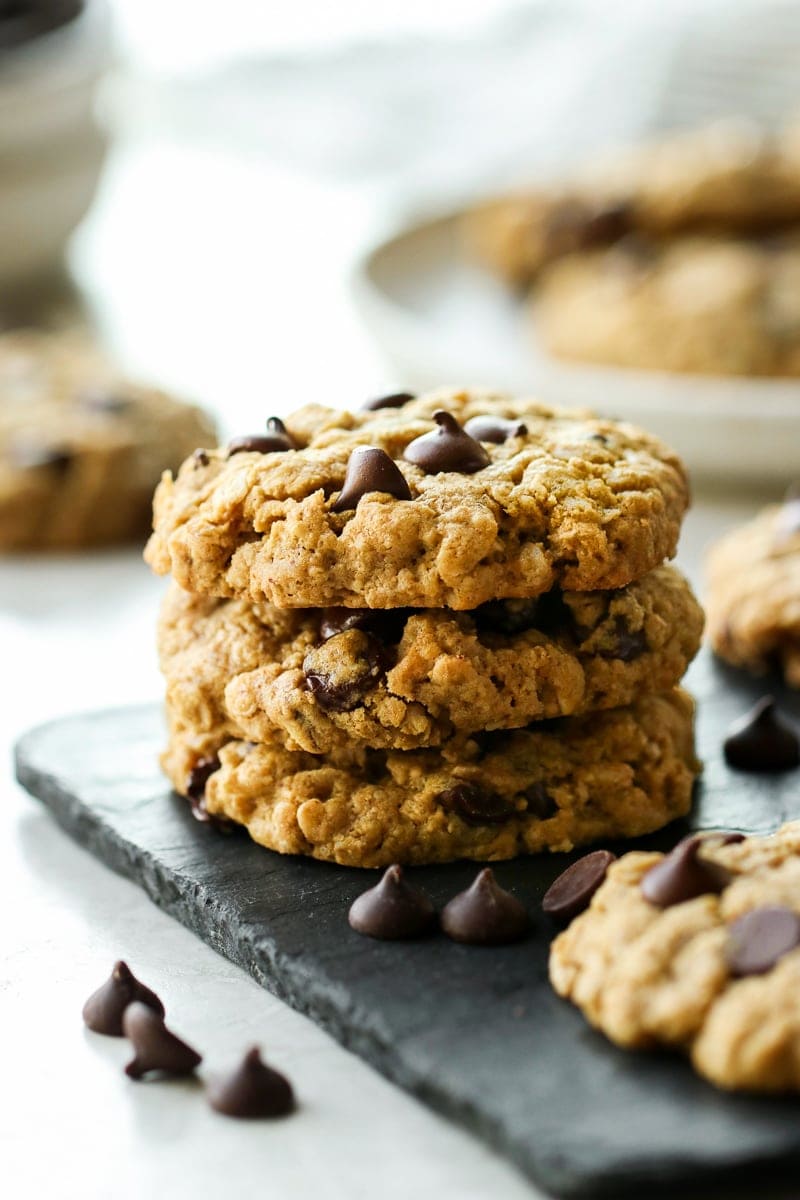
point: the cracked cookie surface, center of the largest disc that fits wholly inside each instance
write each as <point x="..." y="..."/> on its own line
<point x="577" y="501"/>
<point x="414" y="678"/>
<point x="619" y="773"/>
<point x="754" y="593"/>
<point x="81" y="449"/>
<point x="674" y="976"/>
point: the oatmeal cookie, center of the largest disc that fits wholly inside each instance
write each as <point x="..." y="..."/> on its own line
<point x="404" y="507"/>
<point x="407" y="679"/>
<point x="702" y="955"/>
<point x="81" y="449"/>
<point x="620" y="773"/>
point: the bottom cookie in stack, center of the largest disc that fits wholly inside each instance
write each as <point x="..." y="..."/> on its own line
<point x="554" y="785"/>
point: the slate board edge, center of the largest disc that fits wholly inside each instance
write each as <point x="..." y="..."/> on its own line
<point x="287" y="979"/>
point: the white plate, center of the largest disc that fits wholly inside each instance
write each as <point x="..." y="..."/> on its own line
<point x="441" y="320"/>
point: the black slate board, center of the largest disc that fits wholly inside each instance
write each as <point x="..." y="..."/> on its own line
<point x="476" y="1033"/>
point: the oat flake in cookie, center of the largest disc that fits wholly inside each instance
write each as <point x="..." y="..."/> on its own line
<point x="619" y="773"/>
<point x="712" y="969"/>
<point x="406" y="679"/>
<point x="81" y="449"/>
<point x="574" y="501"/>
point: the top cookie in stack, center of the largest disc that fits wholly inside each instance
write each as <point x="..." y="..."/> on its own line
<point x="378" y="611"/>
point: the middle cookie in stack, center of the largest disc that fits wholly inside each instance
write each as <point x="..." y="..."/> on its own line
<point x="537" y="718"/>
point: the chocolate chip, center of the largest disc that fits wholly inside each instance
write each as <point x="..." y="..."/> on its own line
<point x="370" y="469"/>
<point x="546" y="613"/>
<point x="200" y="458"/>
<point x="252" y="1090"/>
<point x="101" y="401"/>
<point x="196" y="782"/>
<point x="539" y="801"/>
<point x="385" y="623"/>
<point x="571" y="892"/>
<point x="27" y="454"/>
<point x="494" y="429"/>
<point x="628" y="644"/>
<point x="392" y="910"/>
<point x="762" y="741"/>
<point x="485" y="914"/>
<point x="341" y="670"/>
<point x="394" y="400"/>
<point x="103" y="1011"/>
<point x="577" y="225"/>
<point x="760" y="938"/>
<point x="155" y="1047"/>
<point x="681" y="875"/>
<point x="277" y="438"/>
<point x="476" y="805"/>
<point x="448" y="448"/>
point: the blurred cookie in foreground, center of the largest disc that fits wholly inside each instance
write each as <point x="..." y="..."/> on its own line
<point x="709" y="305"/>
<point x="81" y="448"/>
<point x="753" y="602"/>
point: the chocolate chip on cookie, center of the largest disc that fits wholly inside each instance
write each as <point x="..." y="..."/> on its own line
<point x="762" y="740"/>
<point x="477" y="805"/>
<point x="385" y="623"/>
<point x="485" y="914"/>
<point x="681" y="876"/>
<point x="277" y="438"/>
<point x="447" y="448"/>
<point x="757" y="940"/>
<point x="343" y="668"/>
<point x="394" y="400"/>
<point x="494" y="429"/>
<point x="370" y="469"/>
<point x="392" y="910"/>
<point x="571" y="892"/>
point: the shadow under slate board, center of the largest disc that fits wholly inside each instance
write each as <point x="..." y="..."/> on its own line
<point x="476" y="1033"/>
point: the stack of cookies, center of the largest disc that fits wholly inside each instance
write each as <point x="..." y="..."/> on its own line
<point x="438" y="628"/>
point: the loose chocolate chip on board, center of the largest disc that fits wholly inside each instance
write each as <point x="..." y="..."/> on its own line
<point x="476" y="805"/>
<point x="681" y="875"/>
<point x="757" y="940"/>
<point x="252" y="1090"/>
<point x="571" y="892"/>
<point x="392" y="910"/>
<point x="494" y="429"/>
<point x="369" y="469"/>
<point x="277" y="438"/>
<point x="103" y="1011"/>
<point x="762" y="741"/>
<point x="341" y="670"/>
<point x="385" y="623"/>
<point x="394" y="400"/>
<point x="156" y="1049"/>
<point x="485" y="914"/>
<point x="447" y="448"/>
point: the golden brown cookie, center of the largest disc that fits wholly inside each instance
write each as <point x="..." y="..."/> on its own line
<point x="81" y="449"/>
<point x="620" y="773"/>
<point x="714" y="974"/>
<point x="407" y="679"/>
<point x="754" y="593"/>
<point x="391" y="508"/>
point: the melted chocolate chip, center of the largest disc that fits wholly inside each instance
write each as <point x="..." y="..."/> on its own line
<point x="394" y="400"/>
<point x="370" y="469"/>
<point x="577" y="225"/>
<point x="494" y="429"/>
<point x="277" y="438"/>
<point x="757" y="940"/>
<point x="762" y="741"/>
<point x="385" y="623"/>
<point x="200" y="459"/>
<point x="571" y="892"/>
<point x="628" y="644"/>
<point x="545" y="613"/>
<point x="681" y="875"/>
<point x="485" y="914"/>
<point x="103" y="1011"/>
<point x="539" y="801"/>
<point x="252" y="1090"/>
<point x="392" y="910"/>
<point x="196" y="782"/>
<point x="156" y="1049"/>
<point x="341" y="670"/>
<point x="476" y="805"/>
<point x="447" y="448"/>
